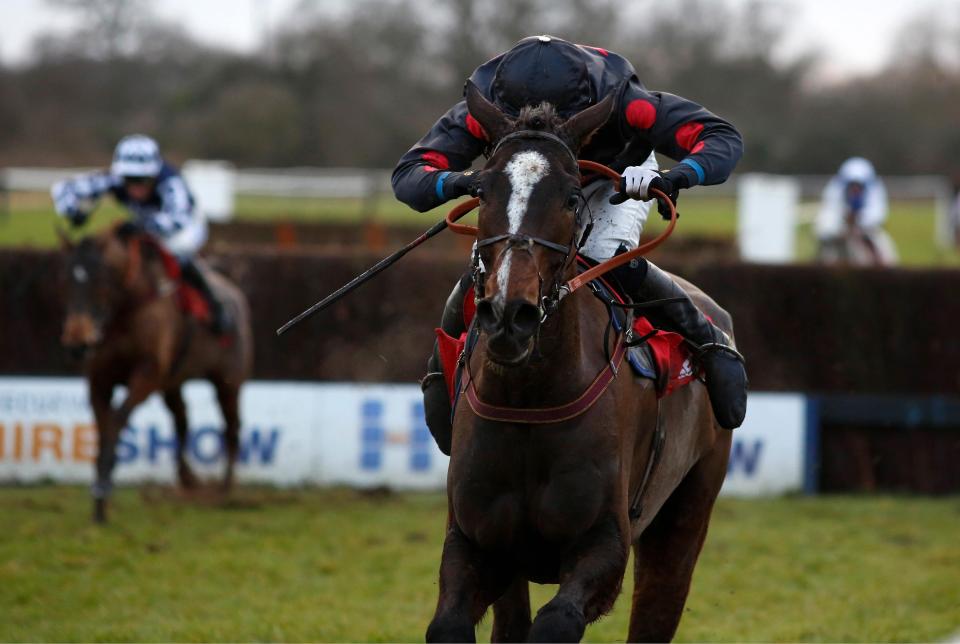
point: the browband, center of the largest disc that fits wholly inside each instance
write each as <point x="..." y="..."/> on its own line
<point x="535" y="134"/>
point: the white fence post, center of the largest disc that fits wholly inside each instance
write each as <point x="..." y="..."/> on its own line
<point x="767" y="217"/>
<point x="213" y="185"/>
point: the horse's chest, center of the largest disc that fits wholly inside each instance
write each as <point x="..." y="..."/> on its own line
<point x="530" y="509"/>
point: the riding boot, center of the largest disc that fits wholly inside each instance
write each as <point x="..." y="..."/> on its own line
<point x="221" y="322"/>
<point x="726" y="377"/>
<point x="436" y="398"/>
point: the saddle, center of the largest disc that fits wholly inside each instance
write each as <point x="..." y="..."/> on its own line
<point x="656" y="354"/>
<point x="189" y="298"/>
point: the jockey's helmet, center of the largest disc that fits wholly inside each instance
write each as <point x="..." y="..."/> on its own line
<point x="857" y="170"/>
<point x="856" y="174"/>
<point x="136" y="155"/>
<point x="542" y="68"/>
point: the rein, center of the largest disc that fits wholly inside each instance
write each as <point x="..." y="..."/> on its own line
<point x="461" y="209"/>
<point x="526" y="243"/>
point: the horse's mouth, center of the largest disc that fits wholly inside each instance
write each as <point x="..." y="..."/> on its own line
<point x="508" y="352"/>
<point x="81" y="331"/>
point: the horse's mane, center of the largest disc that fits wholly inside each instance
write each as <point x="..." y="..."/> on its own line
<point x="543" y="117"/>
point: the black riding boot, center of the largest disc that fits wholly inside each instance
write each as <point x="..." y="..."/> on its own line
<point x="221" y="321"/>
<point x="725" y="373"/>
<point x="436" y="399"/>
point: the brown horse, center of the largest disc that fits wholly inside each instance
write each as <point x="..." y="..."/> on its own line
<point x="123" y="313"/>
<point x="563" y="502"/>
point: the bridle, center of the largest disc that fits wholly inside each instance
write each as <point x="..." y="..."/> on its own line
<point x="519" y="241"/>
<point x="591" y="274"/>
<point x="558" y="291"/>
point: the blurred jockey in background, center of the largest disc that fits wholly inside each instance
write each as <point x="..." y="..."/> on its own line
<point x="159" y="202"/>
<point x="852" y="211"/>
<point x="572" y="78"/>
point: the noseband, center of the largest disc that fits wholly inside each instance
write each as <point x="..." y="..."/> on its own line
<point x="548" y="303"/>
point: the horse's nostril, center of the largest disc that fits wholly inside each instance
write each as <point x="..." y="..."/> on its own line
<point x="523" y="318"/>
<point x="487" y="316"/>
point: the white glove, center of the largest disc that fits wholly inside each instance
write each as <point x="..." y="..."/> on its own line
<point x="636" y="181"/>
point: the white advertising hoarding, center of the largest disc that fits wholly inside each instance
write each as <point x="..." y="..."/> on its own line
<point x="314" y="433"/>
<point x="292" y="433"/>
<point x="769" y="450"/>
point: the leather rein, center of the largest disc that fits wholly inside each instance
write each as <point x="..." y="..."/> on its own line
<point x="527" y="241"/>
<point x="550" y="303"/>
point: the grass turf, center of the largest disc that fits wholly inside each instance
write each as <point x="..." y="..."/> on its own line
<point x="30" y="221"/>
<point x="335" y="565"/>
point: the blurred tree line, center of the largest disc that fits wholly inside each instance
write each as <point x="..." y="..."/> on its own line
<point x="358" y="85"/>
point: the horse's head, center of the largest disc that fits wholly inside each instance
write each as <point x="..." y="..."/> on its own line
<point x="530" y="220"/>
<point x="98" y="276"/>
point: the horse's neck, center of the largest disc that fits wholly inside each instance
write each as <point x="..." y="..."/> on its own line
<point x="568" y="356"/>
<point x="149" y="287"/>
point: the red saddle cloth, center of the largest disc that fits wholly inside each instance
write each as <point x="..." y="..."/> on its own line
<point x="191" y="301"/>
<point x="672" y="358"/>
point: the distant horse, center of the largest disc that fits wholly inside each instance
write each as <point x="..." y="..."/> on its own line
<point x="562" y="501"/>
<point x="124" y="312"/>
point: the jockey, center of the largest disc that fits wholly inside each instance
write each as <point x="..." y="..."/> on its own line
<point x="573" y="77"/>
<point x="159" y="201"/>
<point x="854" y="202"/>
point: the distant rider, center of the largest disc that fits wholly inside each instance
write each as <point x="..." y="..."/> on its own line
<point x="158" y="199"/>
<point x="573" y="77"/>
<point x="853" y="208"/>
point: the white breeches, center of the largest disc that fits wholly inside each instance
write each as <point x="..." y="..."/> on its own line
<point x="614" y="226"/>
<point x="186" y="242"/>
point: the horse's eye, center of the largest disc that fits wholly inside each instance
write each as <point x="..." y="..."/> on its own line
<point x="573" y="201"/>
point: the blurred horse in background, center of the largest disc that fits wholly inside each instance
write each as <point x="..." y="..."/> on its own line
<point x="131" y="318"/>
<point x="544" y="490"/>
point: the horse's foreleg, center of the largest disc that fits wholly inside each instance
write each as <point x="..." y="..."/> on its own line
<point x="667" y="551"/>
<point x="590" y="580"/>
<point x="110" y="422"/>
<point x="511" y="613"/>
<point x="174" y="402"/>
<point x="469" y="583"/>
<point x="101" y="393"/>
<point x="143" y="381"/>
<point x="228" y="396"/>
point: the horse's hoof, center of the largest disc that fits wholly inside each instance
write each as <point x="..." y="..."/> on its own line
<point x="188" y="480"/>
<point x="450" y="629"/>
<point x="558" y="621"/>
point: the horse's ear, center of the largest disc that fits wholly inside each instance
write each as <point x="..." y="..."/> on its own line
<point x="578" y="129"/>
<point x="494" y="122"/>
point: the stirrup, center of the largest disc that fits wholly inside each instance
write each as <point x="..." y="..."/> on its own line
<point x="700" y="350"/>
<point x="430" y="377"/>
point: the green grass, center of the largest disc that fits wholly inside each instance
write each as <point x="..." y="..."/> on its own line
<point x="338" y="565"/>
<point x="31" y="221"/>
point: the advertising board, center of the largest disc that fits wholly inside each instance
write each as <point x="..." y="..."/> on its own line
<point x="314" y="433"/>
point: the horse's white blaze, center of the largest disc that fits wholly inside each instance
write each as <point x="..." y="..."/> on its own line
<point x="524" y="171"/>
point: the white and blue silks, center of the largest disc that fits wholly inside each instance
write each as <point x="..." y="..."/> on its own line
<point x="834" y="206"/>
<point x="170" y="215"/>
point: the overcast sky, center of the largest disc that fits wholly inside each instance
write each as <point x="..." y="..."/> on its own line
<point x="852" y="36"/>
